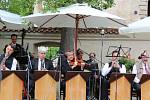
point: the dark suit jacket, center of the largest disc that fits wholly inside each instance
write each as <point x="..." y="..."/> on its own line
<point x="48" y="64"/>
<point x="92" y="66"/>
<point x="64" y="64"/>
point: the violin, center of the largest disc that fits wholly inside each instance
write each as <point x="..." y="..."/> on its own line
<point x="77" y="62"/>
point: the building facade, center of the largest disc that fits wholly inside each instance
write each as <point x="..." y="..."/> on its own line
<point x="131" y="10"/>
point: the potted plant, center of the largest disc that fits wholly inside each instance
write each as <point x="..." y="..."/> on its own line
<point x="128" y="63"/>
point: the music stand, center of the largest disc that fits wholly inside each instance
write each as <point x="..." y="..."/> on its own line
<point x="121" y="52"/>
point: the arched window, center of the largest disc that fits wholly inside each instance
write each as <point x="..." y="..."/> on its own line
<point x="148" y="8"/>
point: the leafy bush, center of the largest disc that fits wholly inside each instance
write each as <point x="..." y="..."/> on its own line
<point x="127" y="62"/>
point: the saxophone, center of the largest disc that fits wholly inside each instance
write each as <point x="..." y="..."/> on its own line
<point x="2" y="67"/>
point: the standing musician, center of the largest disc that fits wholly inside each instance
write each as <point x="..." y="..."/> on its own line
<point x="142" y="67"/>
<point x="92" y="65"/>
<point x="113" y="66"/>
<point x="7" y="60"/>
<point x="18" y="49"/>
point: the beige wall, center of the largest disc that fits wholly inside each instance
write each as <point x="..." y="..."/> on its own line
<point x="127" y="8"/>
<point x="137" y="46"/>
<point x="88" y="42"/>
<point x="31" y="39"/>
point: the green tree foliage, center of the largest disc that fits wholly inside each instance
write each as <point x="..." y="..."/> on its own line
<point x="52" y="52"/>
<point x="25" y="7"/>
<point x="54" y="4"/>
<point x="21" y="7"/>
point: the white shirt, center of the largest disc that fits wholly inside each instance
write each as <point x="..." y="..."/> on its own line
<point x="106" y="69"/>
<point x="14" y="65"/>
<point x="39" y="64"/>
<point x="135" y="71"/>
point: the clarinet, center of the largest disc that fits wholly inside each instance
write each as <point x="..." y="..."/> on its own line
<point x="3" y="62"/>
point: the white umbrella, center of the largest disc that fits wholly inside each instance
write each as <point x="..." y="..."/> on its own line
<point x="10" y="20"/>
<point x="141" y="26"/>
<point x="77" y="16"/>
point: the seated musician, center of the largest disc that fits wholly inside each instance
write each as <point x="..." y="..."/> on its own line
<point x="8" y="61"/>
<point x="140" y="68"/>
<point x="78" y="61"/>
<point x="65" y="64"/>
<point x="42" y="63"/>
<point x="68" y="63"/>
<point x="113" y="66"/>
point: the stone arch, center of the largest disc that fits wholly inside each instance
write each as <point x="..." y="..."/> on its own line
<point x="45" y="43"/>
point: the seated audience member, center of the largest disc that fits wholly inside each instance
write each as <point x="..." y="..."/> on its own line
<point x="107" y="70"/>
<point x="7" y="60"/>
<point x="140" y="68"/>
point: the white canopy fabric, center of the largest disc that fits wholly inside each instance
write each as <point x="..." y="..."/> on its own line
<point x="67" y="17"/>
<point x="141" y="26"/>
<point x="10" y="20"/>
<point x="77" y="16"/>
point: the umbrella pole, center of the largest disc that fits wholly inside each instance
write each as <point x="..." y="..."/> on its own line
<point x="76" y="33"/>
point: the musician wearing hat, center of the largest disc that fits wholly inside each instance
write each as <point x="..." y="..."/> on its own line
<point x="140" y="68"/>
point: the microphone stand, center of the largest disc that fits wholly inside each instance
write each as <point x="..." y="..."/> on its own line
<point x="28" y="76"/>
<point x="59" y="78"/>
<point x="59" y="68"/>
<point x="116" y="73"/>
<point x="0" y="78"/>
<point x="102" y="39"/>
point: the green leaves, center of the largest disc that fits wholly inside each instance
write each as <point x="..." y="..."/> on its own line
<point x="21" y="7"/>
<point x="26" y="7"/>
<point x="127" y="62"/>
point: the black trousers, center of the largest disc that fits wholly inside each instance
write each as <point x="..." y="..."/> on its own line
<point x="105" y="85"/>
<point x="137" y="89"/>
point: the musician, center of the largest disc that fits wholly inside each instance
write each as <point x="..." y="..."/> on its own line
<point x="8" y="61"/>
<point x="67" y="64"/>
<point x="140" y="68"/>
<point x="113" y="66"/>
<point x="18" y="49"/>
<point x="79" y="62"/>
<point x="42" y="63"/>
<point x="92" y="66"/>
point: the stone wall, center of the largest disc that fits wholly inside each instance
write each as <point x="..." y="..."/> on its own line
<point x="131" y="10"/>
